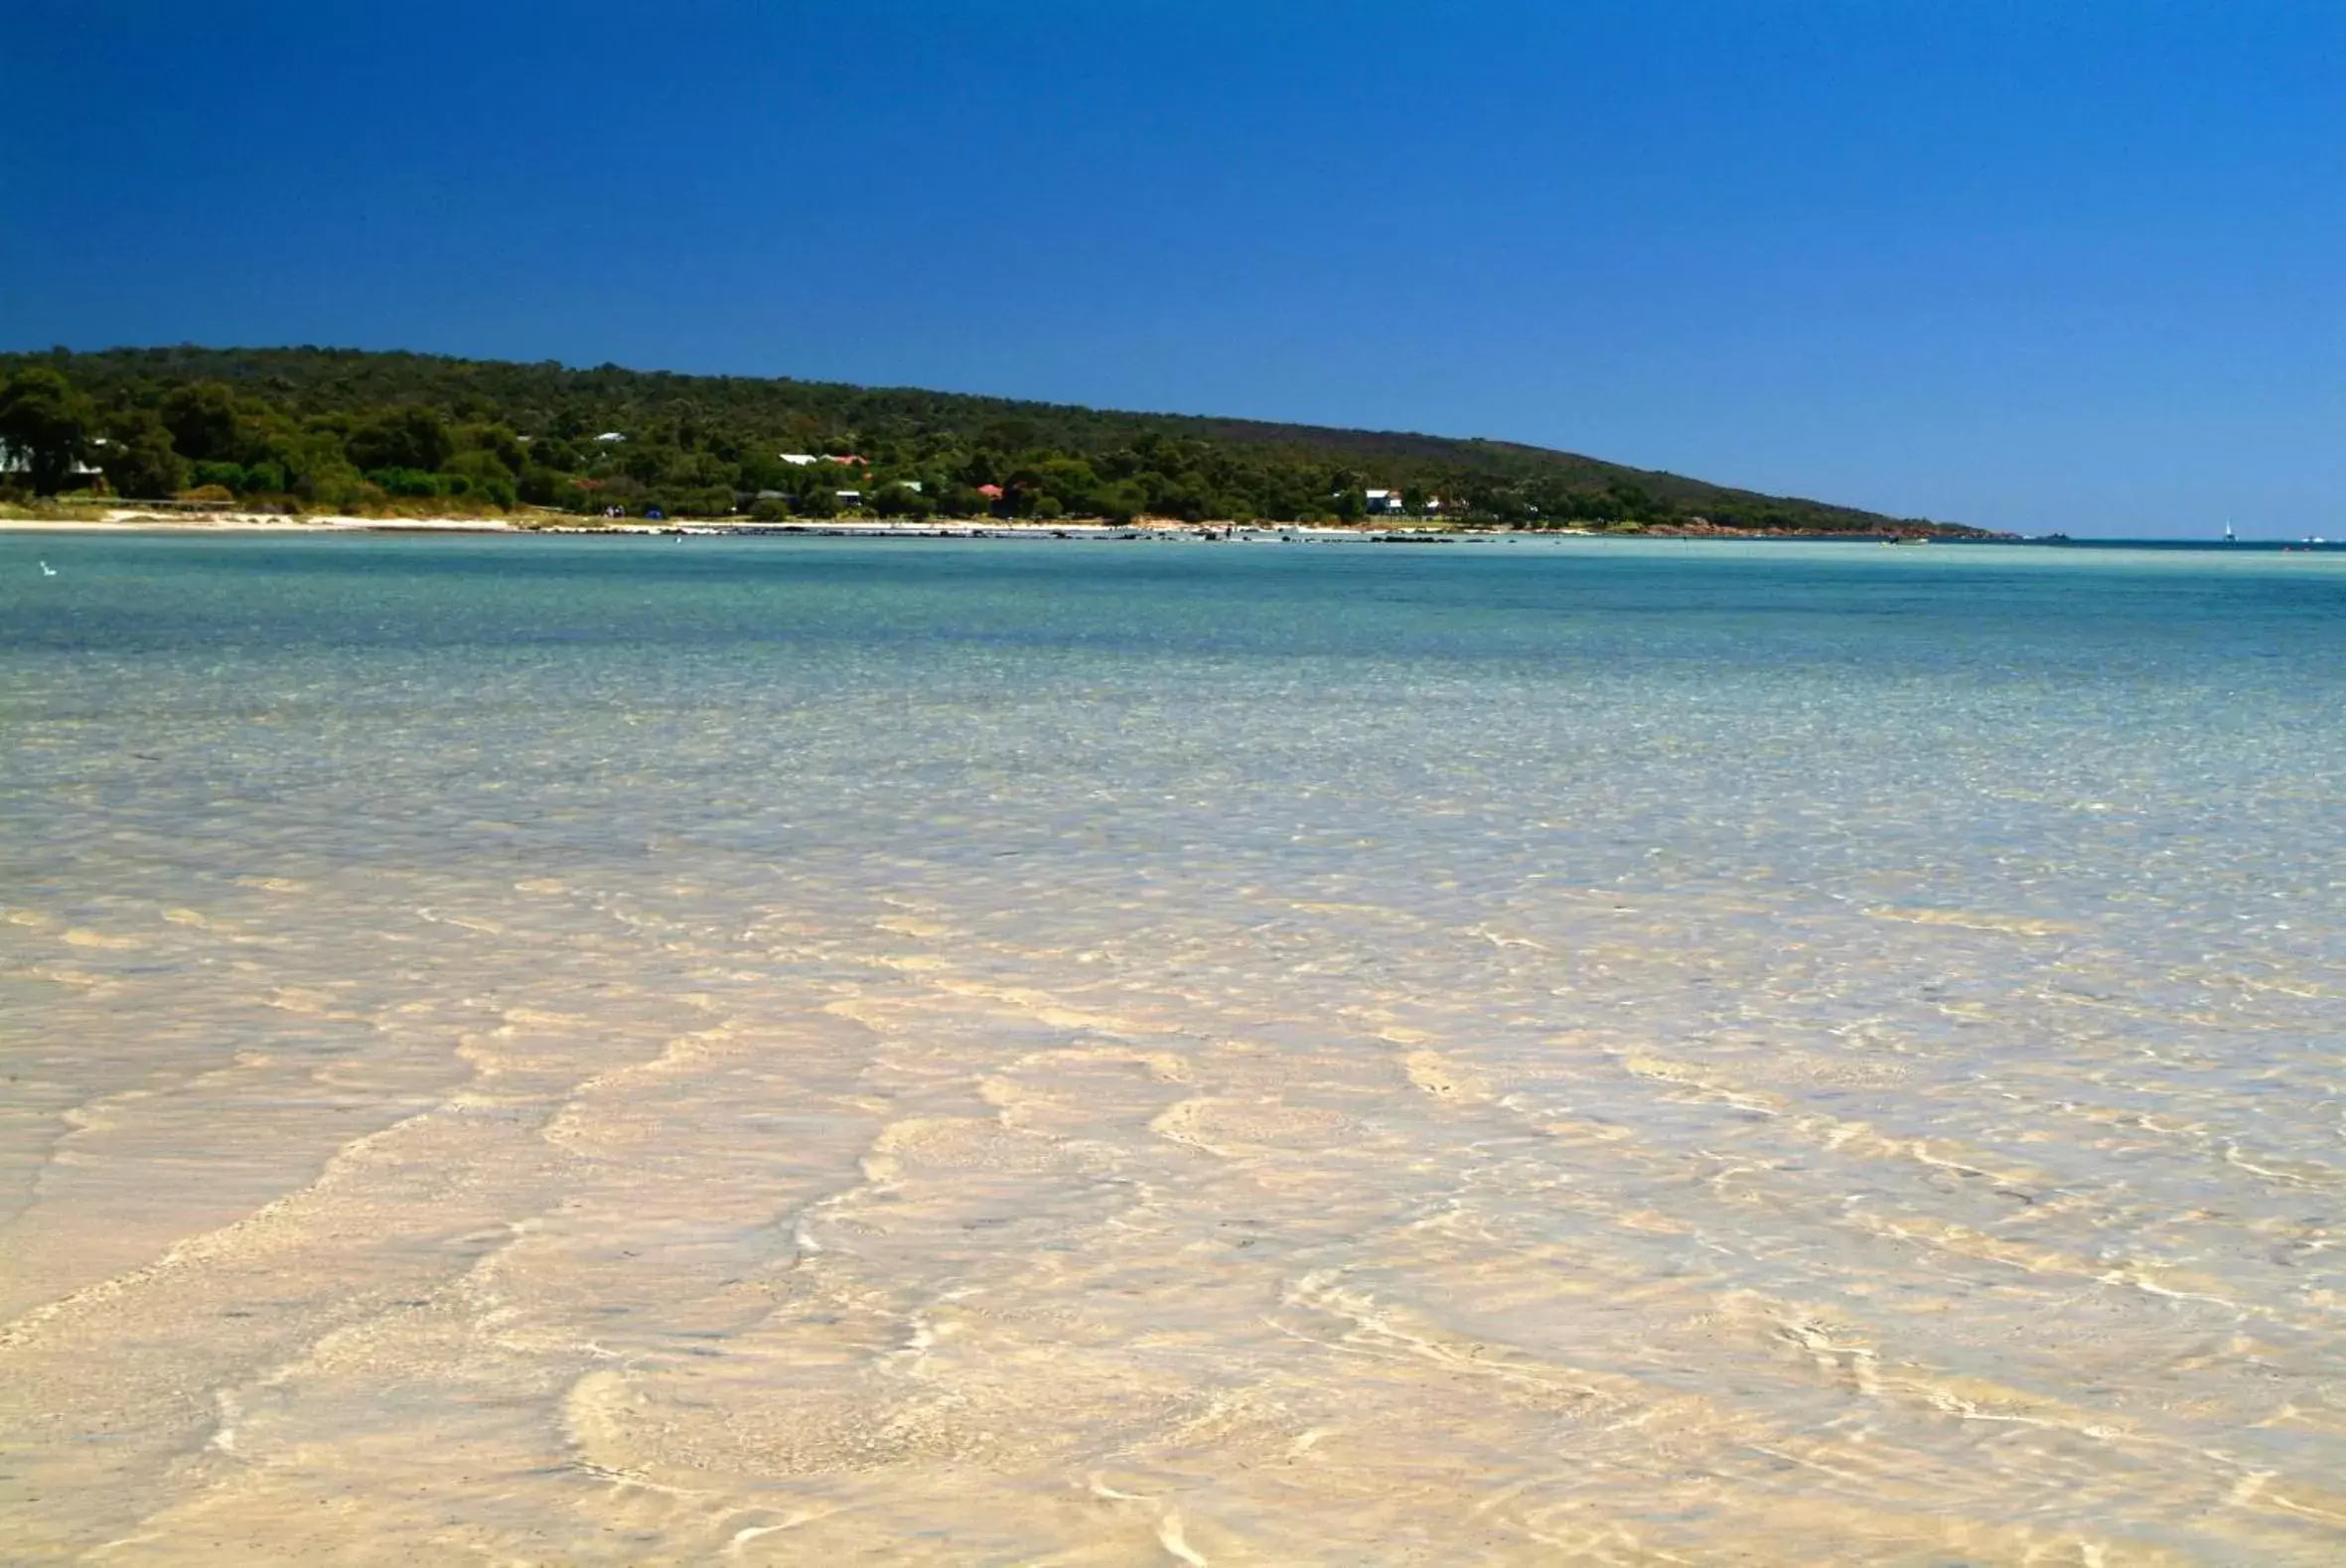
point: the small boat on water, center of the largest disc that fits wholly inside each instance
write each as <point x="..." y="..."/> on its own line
<point x="1907" y="538"/>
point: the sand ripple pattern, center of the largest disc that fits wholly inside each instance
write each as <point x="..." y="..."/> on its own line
<point x="1048" y="1100"/>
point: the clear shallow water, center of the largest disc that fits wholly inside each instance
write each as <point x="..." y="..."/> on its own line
<point x="625" y="1051"/>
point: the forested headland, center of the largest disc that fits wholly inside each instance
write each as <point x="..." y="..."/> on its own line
<point x="354" y="431"/>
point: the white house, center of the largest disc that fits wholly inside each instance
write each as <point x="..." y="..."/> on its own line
<point x="798" y="459"/>
<point x="1383" y="502"/>
<point x="610" y="435"/>
<point x="14" y="462"/>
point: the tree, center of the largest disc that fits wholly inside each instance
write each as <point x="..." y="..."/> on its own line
<point x="1634" y="502"/>
<point x="902" y="501"/>
<point x="1121" y="501"/>
<point x="320" y="416"/>
<point x="552" y="452"/>
<point x="47" y="425"/>
<point x="414" y="484"/>
<point x="201" y="420"/>
<point x="496" y="489"/>
<point x="338" y="487"/>
<point x="497" y="440"/>
<point x="140" y="462"/>
<point x="402" y="438"/>
<point x="963" y="501"/>
<point x="486" y="471"/>
<point x="545" y="486"/>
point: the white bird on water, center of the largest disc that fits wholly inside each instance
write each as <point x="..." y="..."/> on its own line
<point x="47" y="570"/>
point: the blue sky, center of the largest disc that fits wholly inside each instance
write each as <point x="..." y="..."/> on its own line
<point x="2034" y="265"/>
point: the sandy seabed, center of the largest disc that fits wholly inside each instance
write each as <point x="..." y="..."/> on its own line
<point x="522" y="1054"/>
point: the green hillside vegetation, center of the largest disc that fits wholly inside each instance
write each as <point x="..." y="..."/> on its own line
<point x="348" y="430"/>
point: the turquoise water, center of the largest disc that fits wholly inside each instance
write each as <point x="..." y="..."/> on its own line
<point x="625" y="1051"/>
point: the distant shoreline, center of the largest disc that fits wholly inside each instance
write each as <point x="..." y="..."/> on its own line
<point x="139" y="520"/>
<point x="135" y="520"/>
<point x="371" y="433"/>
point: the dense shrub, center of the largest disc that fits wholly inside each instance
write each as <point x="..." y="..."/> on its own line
<point x="309" y="421"/>
<point x="405" y="481"/>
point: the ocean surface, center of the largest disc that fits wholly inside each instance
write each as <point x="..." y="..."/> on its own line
<point x="596" y="1052"/>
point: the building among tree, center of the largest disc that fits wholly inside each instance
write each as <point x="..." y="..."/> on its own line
<point x="16" y="468"/>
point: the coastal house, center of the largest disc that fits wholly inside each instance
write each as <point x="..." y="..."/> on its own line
<point x="1382" y="502"/>
<point x="850" y="457"/>
<point x="796" y="459"/>
<point x="990" y="491"/>
<point x="611" y="435"/>
<point x="14" y="464"/>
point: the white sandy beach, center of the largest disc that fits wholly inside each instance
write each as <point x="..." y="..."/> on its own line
<point x="133" y="519"/>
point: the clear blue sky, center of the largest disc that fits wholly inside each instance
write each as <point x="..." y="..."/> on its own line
<point x="2030" y="264"/>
